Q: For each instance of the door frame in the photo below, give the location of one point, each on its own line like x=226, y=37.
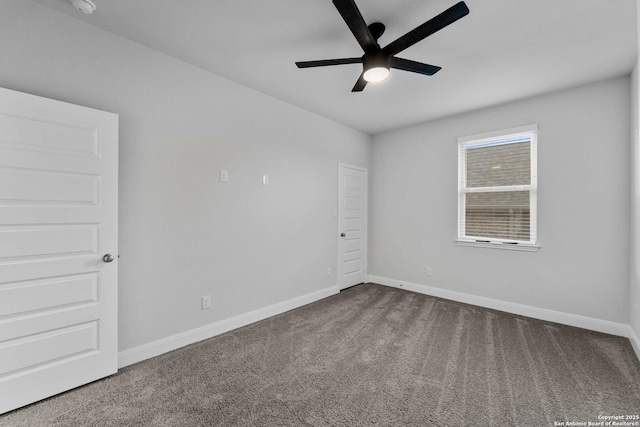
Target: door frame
x=365, y=231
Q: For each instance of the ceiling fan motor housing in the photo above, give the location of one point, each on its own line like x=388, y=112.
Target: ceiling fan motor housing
x=377, y=59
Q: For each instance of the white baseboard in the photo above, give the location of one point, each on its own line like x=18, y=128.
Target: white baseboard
x=584, y=322
x=635, y=342
x=156, y=348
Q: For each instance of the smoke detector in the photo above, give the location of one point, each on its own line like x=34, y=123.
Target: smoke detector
x=85, y=6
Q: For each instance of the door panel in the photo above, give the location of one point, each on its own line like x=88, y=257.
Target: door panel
x=34, y=295
x=58, y=217
x=47, y=240
x=34, y=133
x=48, y=187
x=35, y=350
x=352, y=222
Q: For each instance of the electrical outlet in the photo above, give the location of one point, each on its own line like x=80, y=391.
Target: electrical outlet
x=206, y=302
x=224, y=175
x=429, y=271
x=329, y=271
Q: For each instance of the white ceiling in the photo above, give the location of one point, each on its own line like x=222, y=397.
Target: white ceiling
x=503, y=50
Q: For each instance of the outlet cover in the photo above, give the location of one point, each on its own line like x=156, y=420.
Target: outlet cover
x=206, y=302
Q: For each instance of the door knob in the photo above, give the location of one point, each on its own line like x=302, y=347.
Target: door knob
x=107, y=258
x=343, y=234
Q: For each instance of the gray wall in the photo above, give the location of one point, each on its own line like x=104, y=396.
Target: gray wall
x=183, y=234
x=583, y=205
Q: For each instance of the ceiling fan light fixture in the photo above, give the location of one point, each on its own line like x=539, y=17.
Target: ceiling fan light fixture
x=376, y=67
x=376, y=74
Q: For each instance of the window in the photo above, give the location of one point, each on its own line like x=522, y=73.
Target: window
x=497, y=188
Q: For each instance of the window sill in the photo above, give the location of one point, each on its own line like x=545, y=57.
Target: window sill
x=498, y=245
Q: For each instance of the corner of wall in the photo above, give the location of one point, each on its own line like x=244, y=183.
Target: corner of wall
x=634, y=226
x=635, y=341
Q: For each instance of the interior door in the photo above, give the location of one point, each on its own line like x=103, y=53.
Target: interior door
x=352, y=225
x=58, y=219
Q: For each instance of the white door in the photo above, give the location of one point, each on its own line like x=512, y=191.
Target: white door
x=352, y=225
x=58, y=219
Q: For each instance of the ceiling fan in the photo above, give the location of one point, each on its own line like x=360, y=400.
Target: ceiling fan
x=376, y=60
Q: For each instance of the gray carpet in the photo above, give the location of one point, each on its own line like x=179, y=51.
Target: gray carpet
x=371, y=355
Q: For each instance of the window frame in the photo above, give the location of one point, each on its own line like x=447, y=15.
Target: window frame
x=530, y=131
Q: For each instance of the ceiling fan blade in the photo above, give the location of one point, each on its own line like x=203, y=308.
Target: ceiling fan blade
x=414, y=67
x=360, y=84
x=447, y=17
x=352, y=16
x=326, y=62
